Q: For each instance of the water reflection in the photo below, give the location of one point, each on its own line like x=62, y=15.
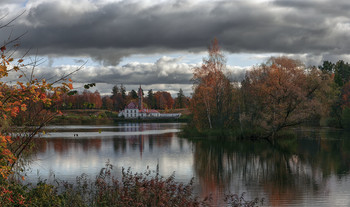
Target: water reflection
x=147, y=145
x=312, y=170
x=299, y=170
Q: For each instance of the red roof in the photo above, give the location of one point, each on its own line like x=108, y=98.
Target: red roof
x=131, y=105
x=149, y=111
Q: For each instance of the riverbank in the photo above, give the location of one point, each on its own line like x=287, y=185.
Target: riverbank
x=99, y=117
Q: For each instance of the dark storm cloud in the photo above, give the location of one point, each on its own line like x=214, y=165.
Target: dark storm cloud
x=110, y=31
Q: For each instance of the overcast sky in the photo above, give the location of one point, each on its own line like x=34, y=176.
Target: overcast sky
x=156, y=43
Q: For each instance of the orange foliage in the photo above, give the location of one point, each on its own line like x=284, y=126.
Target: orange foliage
x=163, y=100
x=282, y=93
x=212, y=98
x=346, y=95
x=15, y=101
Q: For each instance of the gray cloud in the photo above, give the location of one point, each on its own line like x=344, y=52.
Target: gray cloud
x=166, y=73
x=107, y=32
x=165, y=70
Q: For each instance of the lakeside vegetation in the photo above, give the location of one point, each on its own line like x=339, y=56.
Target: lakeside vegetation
x=133, y=189
x=276, y=95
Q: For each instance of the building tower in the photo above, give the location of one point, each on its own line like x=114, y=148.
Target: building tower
x=140, y=98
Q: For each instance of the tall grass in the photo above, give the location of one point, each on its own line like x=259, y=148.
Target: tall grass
x=133, y=189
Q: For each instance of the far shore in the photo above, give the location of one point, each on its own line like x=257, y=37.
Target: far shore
x=100, y=116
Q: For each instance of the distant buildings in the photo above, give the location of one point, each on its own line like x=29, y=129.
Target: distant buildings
x=133, y=111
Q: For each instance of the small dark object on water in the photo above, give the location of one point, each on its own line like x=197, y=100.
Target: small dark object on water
x=75, y=135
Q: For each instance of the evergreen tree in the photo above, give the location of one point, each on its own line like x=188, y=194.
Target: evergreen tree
x=150, y=99
x=123, y=91
x=115, y=91
x=180, y=101
x=133, y=94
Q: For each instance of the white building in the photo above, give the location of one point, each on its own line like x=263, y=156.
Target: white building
x=133, y=111
x=130, y=111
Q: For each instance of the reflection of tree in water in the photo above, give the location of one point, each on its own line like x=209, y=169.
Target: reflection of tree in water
x=164, y=140
x=151, y=139
x=331, y=152
x=119, y=145
x=89, y=144
x=139, y=142
x=40, y=145
x=284, y=172
x=209, y=168
x=181, y=144
x=62, y=146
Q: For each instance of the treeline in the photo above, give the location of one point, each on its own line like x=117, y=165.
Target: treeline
x=120, y=98
x=340, y=107
x=277, y=94
x=84, y=100
x=158, y=100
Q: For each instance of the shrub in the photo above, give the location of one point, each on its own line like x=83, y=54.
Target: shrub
x=139, y=189
x=346, y=118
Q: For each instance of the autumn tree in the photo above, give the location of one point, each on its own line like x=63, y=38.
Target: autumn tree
x=212, y=103
x=163, y=100
x=107, y=103
x=119, y=97
x=30, y=105
x=282, y=93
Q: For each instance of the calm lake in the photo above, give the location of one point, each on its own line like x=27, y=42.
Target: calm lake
x=313, y=170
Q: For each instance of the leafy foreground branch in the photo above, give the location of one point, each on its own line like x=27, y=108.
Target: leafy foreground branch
x=140, y=189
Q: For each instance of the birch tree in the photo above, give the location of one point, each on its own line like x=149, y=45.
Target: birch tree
x=211, y=100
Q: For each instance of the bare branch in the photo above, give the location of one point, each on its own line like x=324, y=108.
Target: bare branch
x=69, y=74
x=11, y=21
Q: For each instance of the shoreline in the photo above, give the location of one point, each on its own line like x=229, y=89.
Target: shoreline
x=107, y=117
